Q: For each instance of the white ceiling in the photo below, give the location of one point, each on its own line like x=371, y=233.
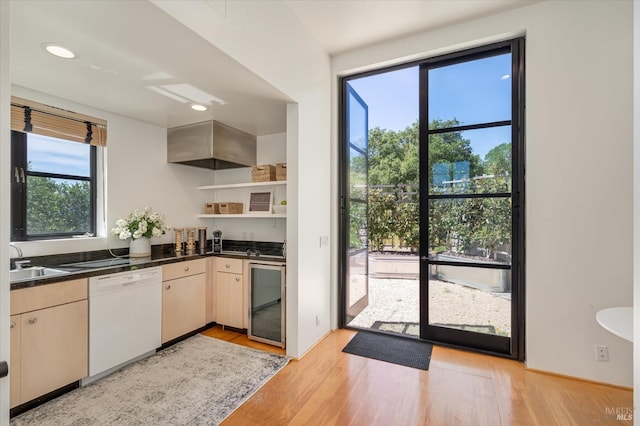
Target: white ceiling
x=128, y=50
x=343, y=25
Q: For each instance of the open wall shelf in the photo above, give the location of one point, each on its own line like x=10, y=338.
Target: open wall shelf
x=244, y=185
x=240, y=186
x=243, y=216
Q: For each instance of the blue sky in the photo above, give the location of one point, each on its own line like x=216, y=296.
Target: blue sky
x=472, y=92
x=55, y=156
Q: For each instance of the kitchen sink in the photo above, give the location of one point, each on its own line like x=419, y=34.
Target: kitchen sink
x=34, y=272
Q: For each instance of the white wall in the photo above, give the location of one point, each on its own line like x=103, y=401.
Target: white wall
x=270, y=149
x=636, y=206
x=137, y=175
x=268, y=39
x=579, y=169
x=5, y=166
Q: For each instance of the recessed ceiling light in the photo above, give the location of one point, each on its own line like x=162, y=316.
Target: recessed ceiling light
x=59, y=51
x=198, y=107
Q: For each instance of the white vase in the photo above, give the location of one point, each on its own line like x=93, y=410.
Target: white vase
x=140, y=247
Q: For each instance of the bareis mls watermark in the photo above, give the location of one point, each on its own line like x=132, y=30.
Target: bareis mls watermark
x=619, y=413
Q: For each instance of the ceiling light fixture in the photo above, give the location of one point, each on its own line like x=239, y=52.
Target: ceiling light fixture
x=168, y=94
x=59, y=51
x=193, y=93
x=198, y=107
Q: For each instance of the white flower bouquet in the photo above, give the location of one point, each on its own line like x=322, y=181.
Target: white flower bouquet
x=141, y=223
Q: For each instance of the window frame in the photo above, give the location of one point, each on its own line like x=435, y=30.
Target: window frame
x=20, y=172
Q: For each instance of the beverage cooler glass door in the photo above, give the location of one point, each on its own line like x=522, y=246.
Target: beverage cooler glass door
x=267, y=303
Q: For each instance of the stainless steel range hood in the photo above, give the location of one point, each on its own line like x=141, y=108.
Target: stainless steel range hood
x=211, y=145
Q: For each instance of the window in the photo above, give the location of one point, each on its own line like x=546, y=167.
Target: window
x=54, y=178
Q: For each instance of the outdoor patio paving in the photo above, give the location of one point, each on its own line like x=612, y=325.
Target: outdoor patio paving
x=393, y=306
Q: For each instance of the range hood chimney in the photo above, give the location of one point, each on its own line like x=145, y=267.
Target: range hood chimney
x=211, y=145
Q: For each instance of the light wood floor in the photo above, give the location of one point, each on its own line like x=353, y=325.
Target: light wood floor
x=329, y=387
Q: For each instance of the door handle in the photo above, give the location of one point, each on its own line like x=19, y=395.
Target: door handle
x=16, y=174
x=4, y=369
x=22, y=175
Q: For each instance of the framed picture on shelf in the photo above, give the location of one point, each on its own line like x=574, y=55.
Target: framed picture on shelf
x=260, y=202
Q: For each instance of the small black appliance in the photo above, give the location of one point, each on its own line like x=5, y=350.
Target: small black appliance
x=217, y=241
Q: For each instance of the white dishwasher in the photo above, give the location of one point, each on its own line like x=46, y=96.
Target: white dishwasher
x=125, y=319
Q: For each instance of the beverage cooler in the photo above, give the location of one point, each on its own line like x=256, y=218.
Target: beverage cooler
x=267, y=302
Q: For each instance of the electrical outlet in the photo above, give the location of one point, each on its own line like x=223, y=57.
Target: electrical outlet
x=602, y=353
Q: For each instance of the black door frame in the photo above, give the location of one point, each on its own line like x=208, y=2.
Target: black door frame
x=512, y=346
x=516, y=347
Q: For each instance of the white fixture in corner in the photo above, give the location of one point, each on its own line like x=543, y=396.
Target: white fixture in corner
x=198, y=107
x=59, y=51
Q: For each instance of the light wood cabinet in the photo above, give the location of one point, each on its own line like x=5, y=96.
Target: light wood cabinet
x=230, y=293
x=14, y=362
x=50, y=338
x=183, y=298
x=210, y=312
x=53, y=349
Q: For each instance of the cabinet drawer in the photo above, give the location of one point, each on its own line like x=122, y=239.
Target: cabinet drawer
x=233, y=266
x=183, y=269
x=44, y=296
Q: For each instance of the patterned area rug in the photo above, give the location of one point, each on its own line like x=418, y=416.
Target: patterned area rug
x=199, y=381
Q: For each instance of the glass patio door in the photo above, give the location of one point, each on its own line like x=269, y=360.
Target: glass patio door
x=354, y=209
x=470, y=181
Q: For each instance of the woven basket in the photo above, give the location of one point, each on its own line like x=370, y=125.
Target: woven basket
x=231, y=208
x=263, y=173
x=212, y=208
x=281, y=171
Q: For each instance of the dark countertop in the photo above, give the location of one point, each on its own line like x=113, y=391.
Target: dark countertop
x=97, y=263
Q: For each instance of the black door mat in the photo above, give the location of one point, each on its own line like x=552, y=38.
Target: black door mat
x=397, y=350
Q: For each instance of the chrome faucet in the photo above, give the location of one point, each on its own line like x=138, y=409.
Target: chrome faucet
x=17, y=249
x=20, y=264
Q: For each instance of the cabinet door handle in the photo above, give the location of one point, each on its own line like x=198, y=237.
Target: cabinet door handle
x=237, y=278
x=13, y=324
x=168, y=286
x=186, y=269
x=33, y=320
x=227, y=266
